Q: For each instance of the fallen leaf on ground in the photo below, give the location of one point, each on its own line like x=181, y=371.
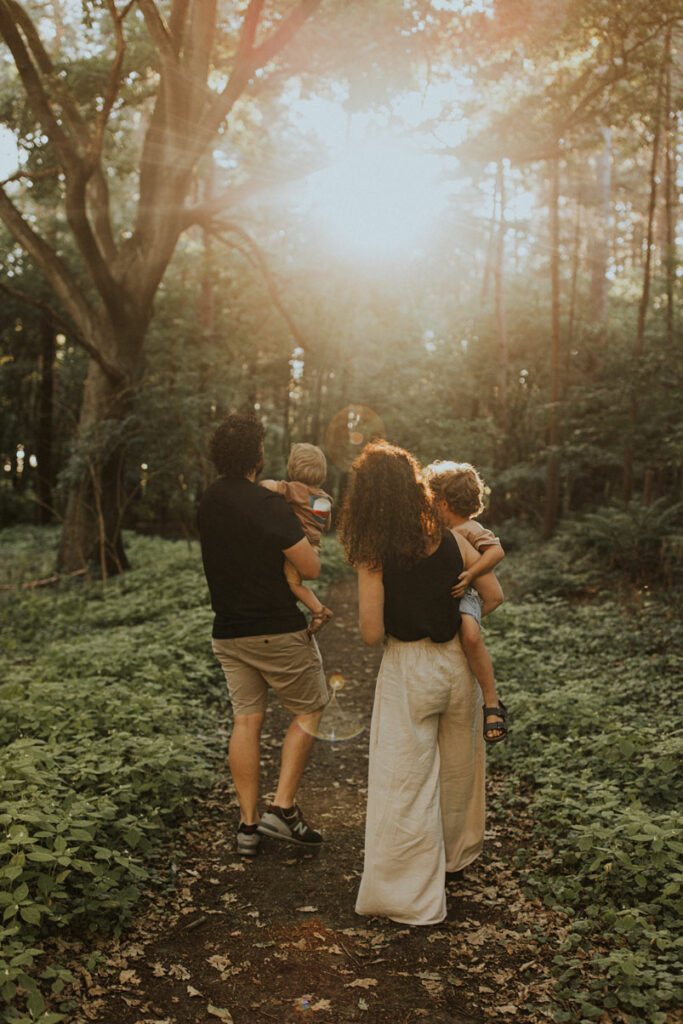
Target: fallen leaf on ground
x=361, y=983
x=219, y=962
x=179, y=972
x=221, y=1013
x=129, y=978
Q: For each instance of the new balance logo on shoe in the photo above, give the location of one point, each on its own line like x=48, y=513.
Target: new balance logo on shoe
x=288, y=824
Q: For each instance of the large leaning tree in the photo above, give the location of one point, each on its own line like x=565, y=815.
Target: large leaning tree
x=195, y=58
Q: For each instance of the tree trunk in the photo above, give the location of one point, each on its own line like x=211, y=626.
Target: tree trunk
x=670, y=196
x=598, y=250
x=44, y=453
x=627, y=485
x=91, y=533
x=553, y=476
x=502, y=347
x=491, y=245
x=574, y=287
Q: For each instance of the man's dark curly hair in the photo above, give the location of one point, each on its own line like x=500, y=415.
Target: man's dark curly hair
x=388, y=511
x=235, y=447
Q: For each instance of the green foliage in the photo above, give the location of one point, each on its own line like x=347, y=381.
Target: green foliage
x=110, y=698
x=596, y=753
x=644, y=542
x=599, y=551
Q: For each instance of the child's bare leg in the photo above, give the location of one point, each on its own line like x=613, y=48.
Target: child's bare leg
x=321, y=614
x=480, y=662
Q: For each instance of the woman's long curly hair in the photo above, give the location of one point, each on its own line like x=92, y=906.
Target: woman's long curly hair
x=388, y=511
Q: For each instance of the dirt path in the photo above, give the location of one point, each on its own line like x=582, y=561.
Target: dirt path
x=276, y=938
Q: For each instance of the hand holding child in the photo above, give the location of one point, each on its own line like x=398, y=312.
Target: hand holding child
x=464, y=581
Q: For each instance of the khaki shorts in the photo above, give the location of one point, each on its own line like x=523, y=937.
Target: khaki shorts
x=290, y=663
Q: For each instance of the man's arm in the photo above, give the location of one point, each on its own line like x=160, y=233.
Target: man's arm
x=304, y=558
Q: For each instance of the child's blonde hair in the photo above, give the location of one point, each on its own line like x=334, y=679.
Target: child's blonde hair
x=307, y=464
x=460, y=486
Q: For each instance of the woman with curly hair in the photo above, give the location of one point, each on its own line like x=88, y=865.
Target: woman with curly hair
x=425, y=813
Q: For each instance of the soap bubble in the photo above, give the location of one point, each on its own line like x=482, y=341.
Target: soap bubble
x=349, y=430
x=336, y=725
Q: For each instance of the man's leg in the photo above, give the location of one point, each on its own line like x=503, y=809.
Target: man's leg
x=296, y=750
x=245, y=756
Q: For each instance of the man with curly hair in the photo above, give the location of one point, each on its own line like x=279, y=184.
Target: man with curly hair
x=259, y=634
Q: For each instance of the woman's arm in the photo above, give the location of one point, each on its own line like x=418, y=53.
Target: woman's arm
x=371, y=605
x=488, y=586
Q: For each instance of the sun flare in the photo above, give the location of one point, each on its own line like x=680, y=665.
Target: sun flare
x=380, y=200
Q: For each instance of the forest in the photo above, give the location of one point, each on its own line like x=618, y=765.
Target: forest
x=454, y=224
x=451, y=224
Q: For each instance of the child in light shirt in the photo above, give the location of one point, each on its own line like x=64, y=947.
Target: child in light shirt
x=307, y=469
x=459, y=490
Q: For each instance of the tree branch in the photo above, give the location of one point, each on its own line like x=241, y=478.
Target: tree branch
x=55, y=270
x=57, y=321
x=10, y=13
x=113, y=84
x=206, y=213
x=47, y=69
x=159, y=31
x=284, y=33
x=255, y=254
x=76, y=171
x=49, y=172
x=177, y=23
x=248, y=60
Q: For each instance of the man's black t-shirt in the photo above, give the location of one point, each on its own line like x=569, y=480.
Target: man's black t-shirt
x=244, y=529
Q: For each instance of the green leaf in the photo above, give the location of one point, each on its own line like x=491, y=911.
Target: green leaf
x=36, y=1004
x=30, y=914
x=8, y=990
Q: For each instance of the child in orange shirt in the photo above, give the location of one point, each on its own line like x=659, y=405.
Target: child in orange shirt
x=458, y=490
x=307, y=469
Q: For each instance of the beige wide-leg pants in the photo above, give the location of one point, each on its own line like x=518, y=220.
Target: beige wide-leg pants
x=426, y=781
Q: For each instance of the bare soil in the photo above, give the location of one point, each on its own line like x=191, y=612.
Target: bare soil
x=275, y=938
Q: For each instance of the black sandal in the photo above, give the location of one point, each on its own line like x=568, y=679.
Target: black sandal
x=501, y=727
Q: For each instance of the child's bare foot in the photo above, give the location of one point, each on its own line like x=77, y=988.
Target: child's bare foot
x=319, y=620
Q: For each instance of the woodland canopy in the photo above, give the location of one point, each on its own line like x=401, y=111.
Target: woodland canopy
x=453, y=223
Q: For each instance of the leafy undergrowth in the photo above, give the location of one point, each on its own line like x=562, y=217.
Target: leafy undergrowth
x=105, y=735
x=594, y=689
x=110, y=697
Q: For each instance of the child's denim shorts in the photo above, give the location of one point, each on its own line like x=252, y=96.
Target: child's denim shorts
x=471, y=604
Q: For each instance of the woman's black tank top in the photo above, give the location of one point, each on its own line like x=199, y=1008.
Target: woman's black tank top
x=417, y=600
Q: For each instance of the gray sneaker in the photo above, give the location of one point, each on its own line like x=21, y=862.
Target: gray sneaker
x=248, y=840
x=288, y=825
